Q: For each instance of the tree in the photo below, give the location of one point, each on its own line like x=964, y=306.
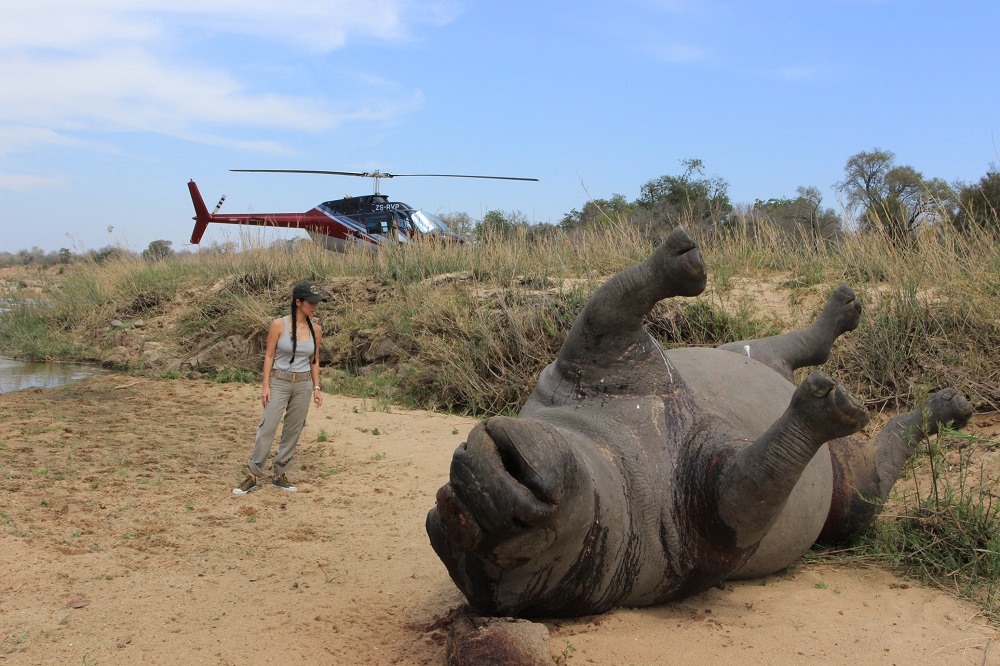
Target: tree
x=892, y=199
x=692, y=198
x=598, y=211
x=500, y=224
x=803, y=217
x=979, y=204
x=460, y=223
x=158, y=249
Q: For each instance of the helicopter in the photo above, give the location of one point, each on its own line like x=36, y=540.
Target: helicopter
x=369, y=221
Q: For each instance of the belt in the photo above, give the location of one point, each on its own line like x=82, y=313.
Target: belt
x=291, y=376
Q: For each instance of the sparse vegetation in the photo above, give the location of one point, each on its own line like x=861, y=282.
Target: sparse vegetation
x=942, y=525
x=468, y=328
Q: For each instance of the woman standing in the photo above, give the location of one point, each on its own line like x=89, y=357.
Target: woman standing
x=291, y=379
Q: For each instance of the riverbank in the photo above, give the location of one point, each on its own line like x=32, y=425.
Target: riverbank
x=122, y=544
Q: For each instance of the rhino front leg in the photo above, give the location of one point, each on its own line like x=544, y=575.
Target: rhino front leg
x=611, y=322
x=756, y=482
x=807, y=346
x=864, y=474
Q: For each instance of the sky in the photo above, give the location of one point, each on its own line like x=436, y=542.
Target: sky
x=109, y=107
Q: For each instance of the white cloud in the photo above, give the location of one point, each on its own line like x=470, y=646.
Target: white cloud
x=16, y=138
x=24, y=182
x=313, y=25
x=111, y=66
x=318, y=25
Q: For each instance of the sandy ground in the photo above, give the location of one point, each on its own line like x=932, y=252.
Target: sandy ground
x=120, y=543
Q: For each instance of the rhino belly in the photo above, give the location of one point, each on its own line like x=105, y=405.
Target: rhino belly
x=747, y=396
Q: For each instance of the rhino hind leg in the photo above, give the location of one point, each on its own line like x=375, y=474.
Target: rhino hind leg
x=756, y=482
x=808, y=346
x=864, y=474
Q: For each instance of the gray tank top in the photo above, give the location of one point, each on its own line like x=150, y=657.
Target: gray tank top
x=303, y=350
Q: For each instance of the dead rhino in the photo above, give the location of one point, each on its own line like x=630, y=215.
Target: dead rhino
x=633, y=475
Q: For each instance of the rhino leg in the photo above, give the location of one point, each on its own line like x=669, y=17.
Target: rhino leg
x=755, y=483
x=807, y=346
x=864, y=474
x=612, y=321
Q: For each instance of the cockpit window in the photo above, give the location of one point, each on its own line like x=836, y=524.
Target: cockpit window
x=429, y=223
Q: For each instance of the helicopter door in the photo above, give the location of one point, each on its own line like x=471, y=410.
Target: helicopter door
x=404, y=227
x=378, y=223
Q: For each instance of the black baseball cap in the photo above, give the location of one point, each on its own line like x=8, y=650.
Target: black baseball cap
x=307, y=291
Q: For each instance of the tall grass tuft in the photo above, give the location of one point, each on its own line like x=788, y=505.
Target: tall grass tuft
x=943, y=526
x=471, y=323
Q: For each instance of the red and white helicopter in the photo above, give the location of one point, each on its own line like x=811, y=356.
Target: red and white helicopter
x=369, y=221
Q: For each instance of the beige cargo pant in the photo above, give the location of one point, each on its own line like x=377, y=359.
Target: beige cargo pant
x=290, y=399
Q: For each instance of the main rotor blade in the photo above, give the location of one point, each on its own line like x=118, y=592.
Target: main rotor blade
x=456, y=175
x=364, y=174
x=380, y=174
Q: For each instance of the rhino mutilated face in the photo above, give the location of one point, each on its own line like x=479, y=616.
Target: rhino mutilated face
x=521, y=504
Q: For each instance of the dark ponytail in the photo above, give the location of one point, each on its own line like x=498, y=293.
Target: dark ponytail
x=295, y=328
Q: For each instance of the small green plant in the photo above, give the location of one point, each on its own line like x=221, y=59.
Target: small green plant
x=322, y=436
x=821, y=585
x=171, y=374
x=76, y=534
x=376, y=432
x=189, y=506
x=377, y=457
x=252, y=518
x=329, y=472
x=20, y=638
x=236, y=375
x=567, y=652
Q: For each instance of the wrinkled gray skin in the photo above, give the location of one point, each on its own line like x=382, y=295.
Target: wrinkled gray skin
x=633, y=476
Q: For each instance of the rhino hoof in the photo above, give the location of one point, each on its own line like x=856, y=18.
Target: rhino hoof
x=842, y=310
x=829, y=407
x=947, y=406
x=678, y=261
